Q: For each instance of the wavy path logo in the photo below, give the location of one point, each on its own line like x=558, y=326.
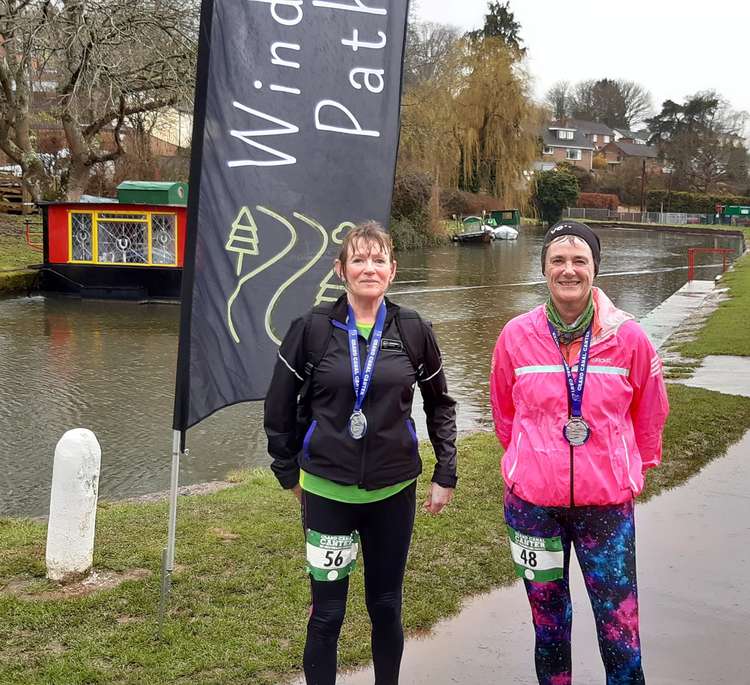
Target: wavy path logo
x=244, y=242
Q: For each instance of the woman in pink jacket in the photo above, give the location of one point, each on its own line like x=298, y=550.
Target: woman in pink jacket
x=579, y=404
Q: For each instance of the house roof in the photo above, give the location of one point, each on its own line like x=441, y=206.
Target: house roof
x=643, y=134
x=636, y=149
x=578, y=140
x=584, y=126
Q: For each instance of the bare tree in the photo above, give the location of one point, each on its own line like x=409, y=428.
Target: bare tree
x=87, y=65
x=638, y=102
x=559, y=100
x=617, y=103
x=428, y=51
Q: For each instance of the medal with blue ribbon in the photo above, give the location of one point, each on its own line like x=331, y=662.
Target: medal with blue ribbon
x=361, y=377
x=576, y=431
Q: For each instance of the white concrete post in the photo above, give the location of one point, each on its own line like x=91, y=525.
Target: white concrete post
x=72, y=507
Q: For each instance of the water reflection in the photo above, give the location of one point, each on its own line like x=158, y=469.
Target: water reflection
x=110, y=366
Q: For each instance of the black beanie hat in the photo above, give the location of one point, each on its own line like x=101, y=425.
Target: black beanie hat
x=579, y=230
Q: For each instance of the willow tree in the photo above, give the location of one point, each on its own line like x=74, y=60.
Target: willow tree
x=430, y=141
x=498, y=122
x=473, y=124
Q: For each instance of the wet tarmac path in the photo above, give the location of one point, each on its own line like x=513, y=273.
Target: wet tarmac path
x=693, y=556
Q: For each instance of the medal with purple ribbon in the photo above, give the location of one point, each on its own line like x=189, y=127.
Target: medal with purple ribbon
x=357, y=424
x=576, y=431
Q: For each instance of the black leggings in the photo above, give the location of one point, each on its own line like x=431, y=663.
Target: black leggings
x=385, y=529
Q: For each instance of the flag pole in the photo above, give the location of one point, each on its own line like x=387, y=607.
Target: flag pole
x=167, y=560
x=181, y=418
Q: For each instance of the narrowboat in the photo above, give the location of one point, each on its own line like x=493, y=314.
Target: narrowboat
x=131, y=247
x=472, y=230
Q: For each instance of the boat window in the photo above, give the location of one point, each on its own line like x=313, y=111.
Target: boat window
x=81, y=236
x=123, y=240
x=163, y=239
x=144, y=238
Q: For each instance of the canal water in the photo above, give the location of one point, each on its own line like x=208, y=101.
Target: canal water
x=109, y=366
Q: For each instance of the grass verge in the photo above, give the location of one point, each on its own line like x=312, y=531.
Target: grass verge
x=15, y=282
x=727, y=331
x=14, y=251
x=239, y=600
x=15, y=255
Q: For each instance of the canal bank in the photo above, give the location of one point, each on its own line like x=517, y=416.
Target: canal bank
x=15, y=256
x=239, y=602
x=109, y=366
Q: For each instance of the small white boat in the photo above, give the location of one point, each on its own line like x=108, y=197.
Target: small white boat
x=502, y=232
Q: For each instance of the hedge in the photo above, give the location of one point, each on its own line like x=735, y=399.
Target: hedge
x=690, y=203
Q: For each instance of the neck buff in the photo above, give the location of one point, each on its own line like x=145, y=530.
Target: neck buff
x=568, y=333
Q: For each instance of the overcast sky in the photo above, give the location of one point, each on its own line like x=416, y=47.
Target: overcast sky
x=673, y=48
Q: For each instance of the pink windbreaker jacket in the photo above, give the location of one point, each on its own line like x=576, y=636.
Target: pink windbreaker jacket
x=624, y=402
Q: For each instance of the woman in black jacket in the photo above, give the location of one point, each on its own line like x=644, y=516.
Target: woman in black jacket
x=340, y=432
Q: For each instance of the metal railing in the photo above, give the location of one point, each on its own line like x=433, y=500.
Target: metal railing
x=692, y=251
x=678, y=218
x=33, y=235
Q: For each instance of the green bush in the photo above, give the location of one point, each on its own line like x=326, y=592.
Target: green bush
x=412, y=233
x=554, y=191
x=414, y=222
x=411, y=195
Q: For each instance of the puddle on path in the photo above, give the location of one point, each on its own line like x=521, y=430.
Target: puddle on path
x=695, y=600
x=722, y=373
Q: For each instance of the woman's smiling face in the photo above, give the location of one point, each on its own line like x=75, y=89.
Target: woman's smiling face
x=569, y=270
x=369, y=270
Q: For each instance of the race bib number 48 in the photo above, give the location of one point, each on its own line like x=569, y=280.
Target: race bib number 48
x=537, y=559
x=331, y=557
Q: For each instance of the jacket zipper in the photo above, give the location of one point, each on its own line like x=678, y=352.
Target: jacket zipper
x=367, y=432
x=572, y=498
x=572, y=501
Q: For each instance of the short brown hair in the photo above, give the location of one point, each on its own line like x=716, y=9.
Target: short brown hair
x=369, y=232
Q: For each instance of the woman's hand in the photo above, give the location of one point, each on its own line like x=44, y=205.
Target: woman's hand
x=297, y=490
x=437, y=498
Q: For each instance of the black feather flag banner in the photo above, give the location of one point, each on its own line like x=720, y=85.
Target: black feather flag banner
x=295, y=139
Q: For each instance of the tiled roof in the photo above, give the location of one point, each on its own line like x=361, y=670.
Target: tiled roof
x=636, y=150
x=578, y=140
x=635, y=135
x=584, y=126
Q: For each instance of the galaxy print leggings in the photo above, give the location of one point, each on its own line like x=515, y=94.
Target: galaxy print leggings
x=604, y=541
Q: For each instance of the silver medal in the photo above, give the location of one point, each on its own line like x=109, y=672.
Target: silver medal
x=576, y=431
x=357, y=425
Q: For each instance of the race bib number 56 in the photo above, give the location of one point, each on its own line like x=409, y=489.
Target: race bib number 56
x=331, y=557
x=537, y=559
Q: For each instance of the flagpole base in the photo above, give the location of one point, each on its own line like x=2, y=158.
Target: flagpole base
x=167, y=557
x=166, y=587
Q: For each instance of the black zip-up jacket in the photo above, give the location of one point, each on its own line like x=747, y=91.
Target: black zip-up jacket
x=311, y=430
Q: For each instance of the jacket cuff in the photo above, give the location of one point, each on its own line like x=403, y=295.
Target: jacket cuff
x=288, y=479
x=444, y=480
